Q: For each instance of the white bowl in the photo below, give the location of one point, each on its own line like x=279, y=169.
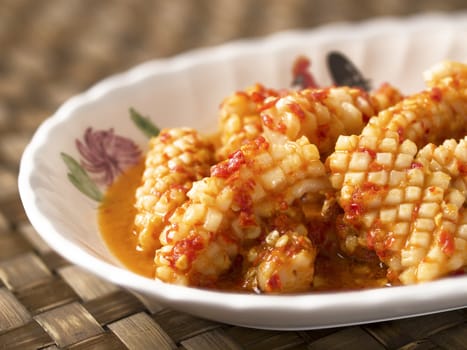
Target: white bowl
x=186, y=90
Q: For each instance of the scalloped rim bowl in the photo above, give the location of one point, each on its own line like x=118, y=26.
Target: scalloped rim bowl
x=186, y=90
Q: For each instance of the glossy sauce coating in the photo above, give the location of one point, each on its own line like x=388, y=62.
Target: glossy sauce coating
x=333, y=271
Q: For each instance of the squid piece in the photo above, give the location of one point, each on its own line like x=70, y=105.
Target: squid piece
x=225, y=210
x=447, y=251
x=283, y=263
x=322, y=113
x=175, y=159
x=239, y=119
x=431, y=116
x=319, y=114
x=407, y=205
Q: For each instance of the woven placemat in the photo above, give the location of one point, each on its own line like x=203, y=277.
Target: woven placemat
x=53, y=49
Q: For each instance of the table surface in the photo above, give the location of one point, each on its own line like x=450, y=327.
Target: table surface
x=52, y=49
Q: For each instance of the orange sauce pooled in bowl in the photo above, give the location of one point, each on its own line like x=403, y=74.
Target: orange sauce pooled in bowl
x=115, y=218
x=333, y=271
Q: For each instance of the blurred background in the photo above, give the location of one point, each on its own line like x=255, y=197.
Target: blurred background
x=52, y=49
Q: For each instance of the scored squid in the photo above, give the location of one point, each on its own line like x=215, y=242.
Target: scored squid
x=409, y=205
x=239, y=119
x=319, y=114
x=225, y=210
x=176, y=158
x=323, y=114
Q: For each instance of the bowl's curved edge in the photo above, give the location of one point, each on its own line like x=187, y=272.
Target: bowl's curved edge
x=236, y=304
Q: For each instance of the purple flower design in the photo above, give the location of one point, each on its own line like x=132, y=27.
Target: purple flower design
x=105, y=154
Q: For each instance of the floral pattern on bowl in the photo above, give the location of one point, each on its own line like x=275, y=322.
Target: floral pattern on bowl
x=104, y=156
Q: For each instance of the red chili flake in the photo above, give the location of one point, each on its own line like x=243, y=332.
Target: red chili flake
x=257, y=97
x=188, y=246
x=268, y=104
x=436, y=94
x=301, y=74
x=368, y=151
x=283, y=206
x=462, y=167
x=371, y=188
x=355, y=210
x=400, y=132
x=261, y=143
x=416, y=165
x=227, y=167
x=365, y=94
x=297, y=110
x=249, y=184
x=446, y=241
x=243, y=200
x=245, y=203
x=267, y=120
x=281, y=127
x=374, y=166
x=262, y=94
x=318, y=95
x=274, y=282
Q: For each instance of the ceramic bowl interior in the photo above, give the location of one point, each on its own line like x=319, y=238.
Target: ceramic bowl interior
x=186, y=91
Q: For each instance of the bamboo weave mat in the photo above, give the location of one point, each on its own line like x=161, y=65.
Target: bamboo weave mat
x=50, y=50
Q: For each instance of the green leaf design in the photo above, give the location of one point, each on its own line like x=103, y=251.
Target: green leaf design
x=144, y=124
x=80, y=178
